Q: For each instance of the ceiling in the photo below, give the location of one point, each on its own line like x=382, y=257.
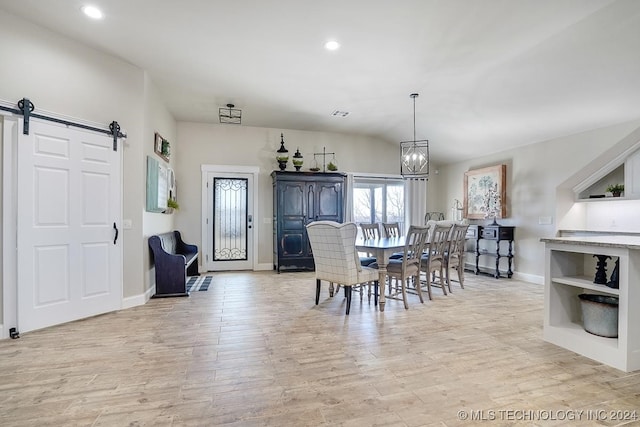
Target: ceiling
x=491, y=74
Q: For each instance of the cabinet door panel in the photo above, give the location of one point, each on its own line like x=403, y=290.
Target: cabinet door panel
x=329, y=201
x=292, y=199
x=293, y=223
x=291, y=244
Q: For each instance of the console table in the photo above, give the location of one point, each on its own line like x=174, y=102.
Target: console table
x=495, y=233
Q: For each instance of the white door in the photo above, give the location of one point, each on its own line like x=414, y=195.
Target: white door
x=229, y=221
x=69, y=263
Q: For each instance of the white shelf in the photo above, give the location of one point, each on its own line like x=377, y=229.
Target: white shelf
x=585, y=283
x=576, y=331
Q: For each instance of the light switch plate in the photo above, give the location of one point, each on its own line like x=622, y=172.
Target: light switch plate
x=545, y=220
x=127, y=224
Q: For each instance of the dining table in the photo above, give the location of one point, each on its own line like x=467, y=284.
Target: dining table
x=382, y=248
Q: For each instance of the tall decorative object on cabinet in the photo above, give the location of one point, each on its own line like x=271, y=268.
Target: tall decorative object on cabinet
x=298, y=199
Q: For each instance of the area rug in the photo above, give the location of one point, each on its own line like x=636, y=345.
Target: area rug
x=198, y=283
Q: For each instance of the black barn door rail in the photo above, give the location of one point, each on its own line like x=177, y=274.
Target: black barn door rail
x=26, y=108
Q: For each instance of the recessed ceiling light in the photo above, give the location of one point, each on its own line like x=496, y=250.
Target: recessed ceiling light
x=332, y=45
x=92, y=12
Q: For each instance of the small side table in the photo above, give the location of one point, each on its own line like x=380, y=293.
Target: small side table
x=496, y=233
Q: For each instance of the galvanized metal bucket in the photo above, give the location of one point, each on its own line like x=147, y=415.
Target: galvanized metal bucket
x=600, y=314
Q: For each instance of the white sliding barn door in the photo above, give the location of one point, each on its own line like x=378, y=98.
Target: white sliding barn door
x=69, y=265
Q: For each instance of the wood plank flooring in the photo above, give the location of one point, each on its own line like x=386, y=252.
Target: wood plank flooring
x=254, y=350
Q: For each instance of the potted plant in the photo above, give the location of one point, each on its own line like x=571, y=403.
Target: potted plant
x=615, y=189
x=172, y=205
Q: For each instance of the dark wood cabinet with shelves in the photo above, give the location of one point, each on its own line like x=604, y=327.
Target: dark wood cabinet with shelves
x=298, y=199
x=492, y=233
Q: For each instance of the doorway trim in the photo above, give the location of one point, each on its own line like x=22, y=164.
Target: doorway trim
x=254, y=171
x=9, y=225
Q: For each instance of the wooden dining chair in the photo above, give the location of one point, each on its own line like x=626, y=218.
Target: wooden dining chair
x=391, y=229
x=433, y=258
x=370, y=231
x=408, y=267
x=454, y=258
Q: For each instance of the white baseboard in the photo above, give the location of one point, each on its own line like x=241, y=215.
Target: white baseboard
x=264, y=267
x=531, y=278
x=3, y=334
x=137, y=300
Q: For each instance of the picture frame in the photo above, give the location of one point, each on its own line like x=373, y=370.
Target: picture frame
x=161, y=147
x=485, y=192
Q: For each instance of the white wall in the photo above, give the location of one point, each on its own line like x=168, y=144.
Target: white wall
x=252, y=146
x=65, y=77
x=156, y=119
x=533, y=174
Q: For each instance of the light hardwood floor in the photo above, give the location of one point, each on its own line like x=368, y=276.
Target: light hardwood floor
x=254, y=350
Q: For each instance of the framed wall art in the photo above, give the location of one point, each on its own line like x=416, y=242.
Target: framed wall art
x=485, y=192
x=161, y=147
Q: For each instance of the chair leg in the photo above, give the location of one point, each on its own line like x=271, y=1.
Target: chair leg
x=460, y=269
x=416, y=281
x=428, y=279
x=375, y=293
x=443, y=282
x=331, y=289
x=448, y=274
x=347, y=290
x=404, y=293
x=317, y=291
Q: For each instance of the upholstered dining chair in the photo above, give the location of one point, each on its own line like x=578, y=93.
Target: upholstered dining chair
x=409, y=265
x=454, y=258
x=433, y=216
x=336, y=260
x=433, y=258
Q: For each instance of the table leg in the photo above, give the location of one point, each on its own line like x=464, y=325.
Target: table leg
x=382, y=256
x=382, y=284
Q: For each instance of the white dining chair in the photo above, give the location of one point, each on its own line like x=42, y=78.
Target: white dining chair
x=336, y=259
x=454, y=258
x=407, y=268
x=433, y=258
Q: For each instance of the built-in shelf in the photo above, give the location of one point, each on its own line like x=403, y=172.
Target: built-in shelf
x=625, y=169
x=584, y=282
x=570, y=272
x=575, y=331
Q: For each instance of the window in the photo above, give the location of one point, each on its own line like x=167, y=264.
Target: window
x=378, y=200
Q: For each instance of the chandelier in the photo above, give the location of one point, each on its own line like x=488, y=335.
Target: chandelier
x=230, y=115
x=414, y=155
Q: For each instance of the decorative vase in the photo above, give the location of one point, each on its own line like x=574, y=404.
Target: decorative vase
x=601, y=270
x=297, y=160
x=614, y=280
x=282, y=155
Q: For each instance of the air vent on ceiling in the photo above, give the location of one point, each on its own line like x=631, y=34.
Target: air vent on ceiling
x=339, y=113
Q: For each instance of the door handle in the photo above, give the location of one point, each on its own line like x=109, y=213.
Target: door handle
x=115, y=239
